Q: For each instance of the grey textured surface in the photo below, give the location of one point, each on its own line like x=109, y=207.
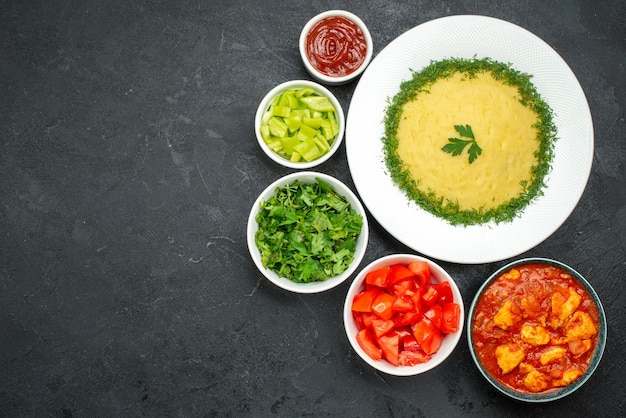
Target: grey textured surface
x=127, y=172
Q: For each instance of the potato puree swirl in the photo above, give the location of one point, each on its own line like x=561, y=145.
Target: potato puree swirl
x=502, y=126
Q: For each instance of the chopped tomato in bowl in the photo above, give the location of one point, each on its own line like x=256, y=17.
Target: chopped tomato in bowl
x=403, y=314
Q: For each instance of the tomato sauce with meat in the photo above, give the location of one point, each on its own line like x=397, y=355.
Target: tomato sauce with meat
x=336, y=46
x=535, y=328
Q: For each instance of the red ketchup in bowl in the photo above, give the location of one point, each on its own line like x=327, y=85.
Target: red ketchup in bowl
x=336, y=46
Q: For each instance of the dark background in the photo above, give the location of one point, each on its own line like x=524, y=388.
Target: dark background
x=128, y=168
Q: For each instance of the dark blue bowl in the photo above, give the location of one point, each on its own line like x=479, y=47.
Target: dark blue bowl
x=595, y=359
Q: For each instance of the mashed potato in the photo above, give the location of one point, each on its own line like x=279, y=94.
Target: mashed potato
x=502, y=126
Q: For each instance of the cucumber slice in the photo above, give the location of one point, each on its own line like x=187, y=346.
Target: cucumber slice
x=277, y=127
x=295, y=157
x=265, y=132
x=266, y=116
x=303, y=92
x=326, y=128
x=281, y=111
x=306, y=132
x=314, y=123
x=288, y=99
x=308, y=149
x=302, y=113
x=288, y=143
x=333, y=120
x=294, y=122
x=275, y=144
x=321, y=143
x=318, y=103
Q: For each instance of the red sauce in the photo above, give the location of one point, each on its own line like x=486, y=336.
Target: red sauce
x=336, y=46
x=540, y=324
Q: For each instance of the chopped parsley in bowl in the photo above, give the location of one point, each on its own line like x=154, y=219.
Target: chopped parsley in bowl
x=307, y=232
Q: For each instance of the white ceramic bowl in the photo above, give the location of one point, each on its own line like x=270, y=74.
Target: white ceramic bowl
x=294, y=85
x=337, y=80
x=449, y=342
x=314, y=287
x=554, y=394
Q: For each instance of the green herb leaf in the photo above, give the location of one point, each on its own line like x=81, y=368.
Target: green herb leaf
x=464, y=131
x=456, y=145
x=474, y=151
x=307, y=232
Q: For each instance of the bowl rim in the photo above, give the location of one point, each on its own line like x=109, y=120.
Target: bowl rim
x=290, y=85
x=451, y=340
x=313, y=287
x=595, y=359
x=323, y=78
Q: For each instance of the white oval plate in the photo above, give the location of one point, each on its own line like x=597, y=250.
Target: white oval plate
x=469, y=37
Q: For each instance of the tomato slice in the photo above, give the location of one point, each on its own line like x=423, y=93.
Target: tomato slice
x=368, y=317
x=382, y=305
x=409, y=343
x=435, y=314
x=450, y=317
x=445, y=292
x=421, y=270
x=427, y=335
x=377, y=277
x=432, y=344
x=400, y=287
x=363, y=301
x=399, y=272
x=407, y=318
x=429, y=297
x=382, y=326
x=367, y=343
x=416, y=298
x=403, y=332
x=402, y=304
x=390, y=346
x=411, y=358
x=358, y=318
x=423, y=330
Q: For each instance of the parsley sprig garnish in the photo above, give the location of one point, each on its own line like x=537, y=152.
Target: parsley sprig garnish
x=457, y=145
